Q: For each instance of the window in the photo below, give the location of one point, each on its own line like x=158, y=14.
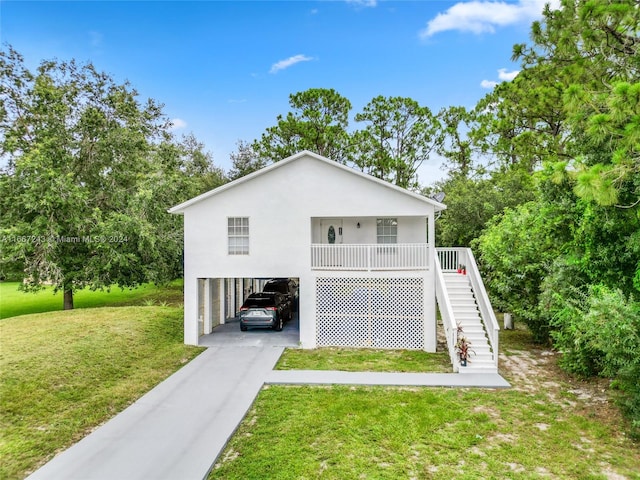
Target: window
x=238, y=229
x=387, y=230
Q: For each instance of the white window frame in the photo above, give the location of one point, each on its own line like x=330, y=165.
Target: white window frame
x=387, y=231
x=238, y=235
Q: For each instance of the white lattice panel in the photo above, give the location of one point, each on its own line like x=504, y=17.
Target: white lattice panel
x=370, y=312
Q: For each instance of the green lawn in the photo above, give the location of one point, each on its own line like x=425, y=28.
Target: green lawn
x=546, y=426
x=63, y=373
x=363, y=359
x=15, y=302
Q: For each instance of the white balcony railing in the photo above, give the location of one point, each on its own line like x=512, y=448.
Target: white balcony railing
x=405, y=256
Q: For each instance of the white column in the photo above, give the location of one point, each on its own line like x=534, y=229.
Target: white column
x=232, y=297
x=208, y=311
x=223, y=306
x=430, y=335
x=190, y=310
x=307, y=311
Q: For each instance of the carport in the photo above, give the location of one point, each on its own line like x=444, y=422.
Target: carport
x=218, y=301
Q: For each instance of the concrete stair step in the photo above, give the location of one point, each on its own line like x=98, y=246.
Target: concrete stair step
x=470, y=328
x=458, y=294
x=462, y=300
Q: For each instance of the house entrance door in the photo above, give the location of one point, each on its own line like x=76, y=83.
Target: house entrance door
x=331, y=230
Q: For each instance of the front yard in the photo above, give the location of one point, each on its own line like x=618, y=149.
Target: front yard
x=546, y=426
x=64, y=373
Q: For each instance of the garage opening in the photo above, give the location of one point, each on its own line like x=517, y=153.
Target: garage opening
x=219, y=304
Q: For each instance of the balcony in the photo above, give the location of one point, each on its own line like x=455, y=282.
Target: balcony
x=365, y=257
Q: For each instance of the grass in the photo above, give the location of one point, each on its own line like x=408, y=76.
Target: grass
x=364, y=360
x=546, y=425
x=15, y=302
x=63, y=373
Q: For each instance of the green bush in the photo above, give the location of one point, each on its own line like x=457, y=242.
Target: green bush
x=599, y=334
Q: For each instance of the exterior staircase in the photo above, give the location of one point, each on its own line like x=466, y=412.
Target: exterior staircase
x=467, y=315
x=464, y=304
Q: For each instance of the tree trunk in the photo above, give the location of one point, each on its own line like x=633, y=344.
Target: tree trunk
x=68, y=299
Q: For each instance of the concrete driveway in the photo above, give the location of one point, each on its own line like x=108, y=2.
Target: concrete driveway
x=175, y=431
x=229, y=334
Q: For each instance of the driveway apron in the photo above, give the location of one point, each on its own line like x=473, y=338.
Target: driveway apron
x=177, y=429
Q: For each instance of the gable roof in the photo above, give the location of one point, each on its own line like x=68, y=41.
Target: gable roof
x=179, y=209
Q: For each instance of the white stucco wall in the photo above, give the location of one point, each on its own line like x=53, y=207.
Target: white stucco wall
x=280, y=205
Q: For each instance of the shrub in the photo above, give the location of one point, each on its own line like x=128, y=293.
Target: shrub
x=599, y=334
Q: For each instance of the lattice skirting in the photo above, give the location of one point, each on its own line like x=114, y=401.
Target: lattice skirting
x=370, y=312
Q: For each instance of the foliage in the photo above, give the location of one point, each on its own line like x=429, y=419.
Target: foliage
x=570, y=117
x=599, y=334
x=90, y=174
x=593, y=46
x=244, y=161
x=474, y=200
x=65, y=373
x=399, y=136
x=454, y=143
x=318, y=123
x=517, y=251
x=522, y=122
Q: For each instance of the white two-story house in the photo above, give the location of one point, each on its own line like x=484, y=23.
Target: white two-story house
x=362, y=250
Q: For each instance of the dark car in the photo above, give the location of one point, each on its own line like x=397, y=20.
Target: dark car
x=285, y=286
x=265, y=309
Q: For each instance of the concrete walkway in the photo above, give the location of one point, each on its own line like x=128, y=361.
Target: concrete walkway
x=326, y=377
x=178, y=429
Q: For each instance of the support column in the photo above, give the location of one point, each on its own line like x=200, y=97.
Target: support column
x=208, y=308
x=223, y=305
x=190, y=310
x=232, y=297
x=307, y=311
x=430, y=327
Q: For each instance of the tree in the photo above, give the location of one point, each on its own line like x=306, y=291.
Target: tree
x=569, y=261
x=522, y=122
x=595, y=47
x=318, y=123
x=473, y=201
x=454, y=144
x=399, y=137
x=244, y=160
x=84, y=192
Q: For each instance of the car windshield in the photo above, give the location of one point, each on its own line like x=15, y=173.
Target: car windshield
x=259, y=302
x=276, y=287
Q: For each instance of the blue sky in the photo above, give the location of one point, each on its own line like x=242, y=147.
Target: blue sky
x=224, y=70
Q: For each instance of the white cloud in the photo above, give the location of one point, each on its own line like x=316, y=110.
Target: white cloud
x=507, y=76
x=363, y=3
x=288, y=62
x=177, y=124
x=313, y=11
x=503, y=75
x=479, y=16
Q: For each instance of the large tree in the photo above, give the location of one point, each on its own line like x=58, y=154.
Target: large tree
x=398, y=137
x=318, y=122
x=86, y=181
